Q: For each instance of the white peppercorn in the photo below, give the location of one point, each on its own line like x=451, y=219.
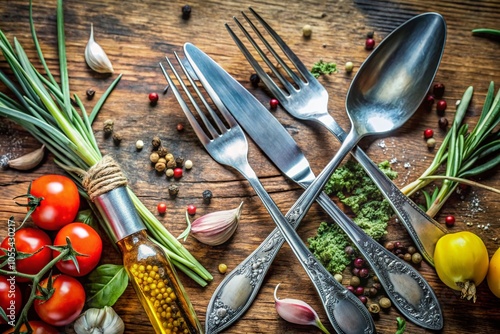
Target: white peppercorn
x=139, y=144
x=169, y=172
x=188, y=164
x=307, y=30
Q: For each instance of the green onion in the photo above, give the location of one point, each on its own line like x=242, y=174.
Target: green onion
x=44, y=108
x=464, y=154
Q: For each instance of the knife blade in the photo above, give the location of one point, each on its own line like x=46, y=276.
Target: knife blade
x=418, y=303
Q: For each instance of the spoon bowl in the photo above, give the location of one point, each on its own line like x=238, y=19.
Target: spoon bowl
x=392, y=82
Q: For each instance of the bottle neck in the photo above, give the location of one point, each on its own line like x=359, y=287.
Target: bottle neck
x=119, y=213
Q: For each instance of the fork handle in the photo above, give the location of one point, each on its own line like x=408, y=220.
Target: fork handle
x=424, y=231
x=236, y=293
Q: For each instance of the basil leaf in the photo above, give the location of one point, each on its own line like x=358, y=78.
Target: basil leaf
x=106, y=284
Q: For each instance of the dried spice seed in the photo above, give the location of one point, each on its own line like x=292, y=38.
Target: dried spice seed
x=385, y=302
x=180, y=127
x=171, y=163
x=188, y=164
x=207, y=196
x=222, y=268
x=173, y=189
x=179, y=161
x=108, y=127
x=307, y=30
x=162, y=151
x=169, y=172
x=139, y=145
x=443, y=123
x=254, y=80
x=153, y=98
x=441, y=107
x=162, y=208
x=274, y=103
x=154, y=157
x=191, y=209
x=160, y=166
x=117, y=138
x=438, y=90
x=349, y=66
x=177, y=173
x=90, y=93
x=431, y=143
x=369, y=43
x=186, y=12
x=156, y=142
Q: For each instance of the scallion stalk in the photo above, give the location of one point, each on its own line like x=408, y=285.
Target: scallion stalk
x=44, y=108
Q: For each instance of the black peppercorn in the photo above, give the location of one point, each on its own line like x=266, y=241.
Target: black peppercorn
x=370, y=34
x=207, y=196
x=443, y=123
x=186, y=12
x=90, y=93
x=173, y=190
x=255, y=80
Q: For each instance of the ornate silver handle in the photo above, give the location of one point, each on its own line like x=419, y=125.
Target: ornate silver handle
x=423, y=230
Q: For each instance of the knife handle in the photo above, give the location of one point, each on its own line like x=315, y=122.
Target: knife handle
x=423, y=230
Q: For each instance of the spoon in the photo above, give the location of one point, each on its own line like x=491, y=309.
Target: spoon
x=235, y=293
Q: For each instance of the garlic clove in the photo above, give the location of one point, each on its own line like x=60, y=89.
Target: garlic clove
x=215, y=228
x=297, y=312
x=95, y=56
x=28, y=161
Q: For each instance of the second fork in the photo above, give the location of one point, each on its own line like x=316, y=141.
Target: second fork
x=228, y=146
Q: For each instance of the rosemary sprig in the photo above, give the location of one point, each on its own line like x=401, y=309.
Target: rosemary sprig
x=43, y=107
x=464, y=154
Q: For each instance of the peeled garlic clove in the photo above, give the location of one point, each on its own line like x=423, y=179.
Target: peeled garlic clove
x=215, y=228
x=28, y=161
x=99, y=321
x=95, y=56
x=297, y=312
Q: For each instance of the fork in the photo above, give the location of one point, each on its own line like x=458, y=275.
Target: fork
x=308, y=100
x=228, y=146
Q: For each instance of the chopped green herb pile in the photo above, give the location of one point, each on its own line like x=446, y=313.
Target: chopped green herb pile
x=322, y=67
x=371, y=212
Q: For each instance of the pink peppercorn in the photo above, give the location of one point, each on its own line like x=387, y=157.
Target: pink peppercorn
x=153, y=98
x=191, y=209
x=369, y=43
x=177, y=173
x=428, y=133
x=274, y=103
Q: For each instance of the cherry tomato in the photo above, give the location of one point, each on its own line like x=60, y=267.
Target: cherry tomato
x=38, y=327
x=84, y=240
x=28, y=240
x=10, y=298
x=65, y=304
x=55, y=200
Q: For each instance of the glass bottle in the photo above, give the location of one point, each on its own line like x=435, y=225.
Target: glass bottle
x=150, y=271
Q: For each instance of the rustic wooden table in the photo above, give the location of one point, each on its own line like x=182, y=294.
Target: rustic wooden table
x=137, y=35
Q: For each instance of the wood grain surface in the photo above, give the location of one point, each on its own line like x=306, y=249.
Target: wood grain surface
x=138, y=34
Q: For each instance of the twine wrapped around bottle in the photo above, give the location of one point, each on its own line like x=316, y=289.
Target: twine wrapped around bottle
x=103, y=177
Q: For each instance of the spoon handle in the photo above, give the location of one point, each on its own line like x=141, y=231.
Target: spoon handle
x=423, y=230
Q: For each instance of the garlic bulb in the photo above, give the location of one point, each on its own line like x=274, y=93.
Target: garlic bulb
x=99, y=321
x=214, y=228
x=95, y=56
x=297, y=312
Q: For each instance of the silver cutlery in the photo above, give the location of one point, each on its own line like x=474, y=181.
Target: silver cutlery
x=228, y=146
x=398, y=66
x=408, y=290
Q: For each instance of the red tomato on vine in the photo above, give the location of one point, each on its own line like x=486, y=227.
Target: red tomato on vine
x=64, y=304
x=10, y=298
x=84, y=240
x=53, y=201
x=27, y=240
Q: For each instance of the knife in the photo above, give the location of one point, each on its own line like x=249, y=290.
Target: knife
x=408, y=290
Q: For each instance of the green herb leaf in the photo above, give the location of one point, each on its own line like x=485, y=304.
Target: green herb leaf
x=106, y=284
x=321, y=68
x=401, y=325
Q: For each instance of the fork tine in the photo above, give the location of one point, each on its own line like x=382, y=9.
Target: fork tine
x=284, y=47
x=277, y=92
x=287, y=69
x=211, y=111
x=187, y=111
